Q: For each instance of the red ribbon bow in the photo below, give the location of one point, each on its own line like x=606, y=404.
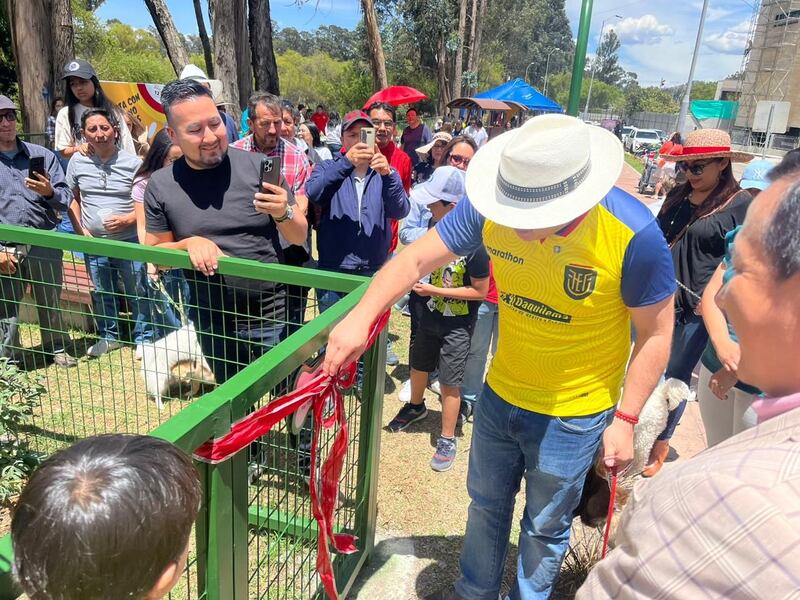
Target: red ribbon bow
x=319, y=390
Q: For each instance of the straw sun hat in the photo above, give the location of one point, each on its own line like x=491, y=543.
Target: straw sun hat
x=441, y=136
x=548, y=172
x=706, y=143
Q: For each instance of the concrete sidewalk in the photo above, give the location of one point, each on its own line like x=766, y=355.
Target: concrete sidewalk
x=690, y=436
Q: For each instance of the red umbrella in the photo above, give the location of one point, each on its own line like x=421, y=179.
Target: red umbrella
x=396, y=95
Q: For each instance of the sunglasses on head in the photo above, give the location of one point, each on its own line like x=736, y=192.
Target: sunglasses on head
x=695, y=168
x=457, y=159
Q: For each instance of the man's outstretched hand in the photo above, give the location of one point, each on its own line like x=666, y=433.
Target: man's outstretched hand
x=346, y=343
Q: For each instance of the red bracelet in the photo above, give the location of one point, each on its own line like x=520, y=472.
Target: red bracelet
x=626, y=417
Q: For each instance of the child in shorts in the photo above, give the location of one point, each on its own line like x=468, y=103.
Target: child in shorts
x=109, y=517
x=443, y=336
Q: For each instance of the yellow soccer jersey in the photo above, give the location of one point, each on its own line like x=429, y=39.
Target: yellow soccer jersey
x=565, y=335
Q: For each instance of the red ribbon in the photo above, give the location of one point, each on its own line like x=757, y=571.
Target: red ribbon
x=318, y=391
x=611, y=502
x=678, y=150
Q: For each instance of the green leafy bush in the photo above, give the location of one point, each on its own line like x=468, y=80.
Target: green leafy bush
x=19, y=394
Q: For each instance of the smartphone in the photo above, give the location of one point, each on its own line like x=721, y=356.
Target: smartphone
x=36, y=166
x=368, y=136
x=270, y=172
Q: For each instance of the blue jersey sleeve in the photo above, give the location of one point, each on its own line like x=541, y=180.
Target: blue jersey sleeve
x=648, y=275
x=462, y=229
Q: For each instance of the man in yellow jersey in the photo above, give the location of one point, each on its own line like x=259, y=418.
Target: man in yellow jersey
x=576, y=262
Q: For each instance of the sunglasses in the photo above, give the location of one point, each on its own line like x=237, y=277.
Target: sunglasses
x=457, y=159
x=695, y=169
x=9, y=116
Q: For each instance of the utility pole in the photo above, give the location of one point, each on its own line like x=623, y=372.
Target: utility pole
x=681, y=125
x=579, y=63
x=594, y=67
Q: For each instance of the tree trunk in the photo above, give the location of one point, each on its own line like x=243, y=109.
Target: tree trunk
x=459, y=62
x=471, y=45
x=201, y=29
x=376, y=59
x=169, y=35
x=231, y=53
x=62, y=43
x=265, y=69
x=441, y=72
x=29, y=21
x=476, y=46
x=244, y=65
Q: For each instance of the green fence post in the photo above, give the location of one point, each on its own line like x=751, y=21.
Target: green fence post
x=239, y=516
x=579, y=63
x=8, y=589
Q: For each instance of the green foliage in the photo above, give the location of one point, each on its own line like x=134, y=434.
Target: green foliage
x=520, y=32
x=19, y=394
x=118, y=51
x=320, y=79
x=8, y=70
x=650, y=99
x=704, y=90
x=606, y=62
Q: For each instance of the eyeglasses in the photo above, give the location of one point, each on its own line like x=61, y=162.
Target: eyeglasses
x=695, y=169
x=379, y=124
x=10, y=116
x=457, y=159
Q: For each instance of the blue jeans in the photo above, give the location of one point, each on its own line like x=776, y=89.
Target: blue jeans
x=554, y=454
x=689, y=339
x=163, y=317
x=105, y=271
x=483, y=335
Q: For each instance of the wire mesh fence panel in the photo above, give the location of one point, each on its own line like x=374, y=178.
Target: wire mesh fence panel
x=120, y=345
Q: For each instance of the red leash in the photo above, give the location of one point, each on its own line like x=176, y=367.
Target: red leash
x=611, y=502
x=317, y=391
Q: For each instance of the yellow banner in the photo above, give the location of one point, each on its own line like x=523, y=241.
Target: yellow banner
x=141, y=100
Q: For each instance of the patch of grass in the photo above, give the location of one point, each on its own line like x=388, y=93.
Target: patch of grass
x=634, y=162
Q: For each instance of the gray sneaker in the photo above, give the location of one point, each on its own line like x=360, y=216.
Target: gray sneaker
x=102, y=347
x=64, y=360
x=445, y=455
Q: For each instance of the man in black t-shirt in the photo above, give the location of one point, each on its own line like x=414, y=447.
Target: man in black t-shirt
x=208, y=203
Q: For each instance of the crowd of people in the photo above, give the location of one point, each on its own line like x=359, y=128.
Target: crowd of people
x=521, y=248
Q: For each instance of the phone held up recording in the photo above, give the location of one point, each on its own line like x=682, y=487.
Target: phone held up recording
x=36, y=165
x=270, y=173
x=368, y=136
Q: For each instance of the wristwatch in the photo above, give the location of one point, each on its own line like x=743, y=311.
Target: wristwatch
x=288, y=216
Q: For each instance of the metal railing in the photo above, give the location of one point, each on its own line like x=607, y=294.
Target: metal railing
x=255, y=536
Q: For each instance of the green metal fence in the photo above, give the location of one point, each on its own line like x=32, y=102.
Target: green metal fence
x=255, y=536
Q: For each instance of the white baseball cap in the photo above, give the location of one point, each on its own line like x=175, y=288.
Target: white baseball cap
x=446, y=184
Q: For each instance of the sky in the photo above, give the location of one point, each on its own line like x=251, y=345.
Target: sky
x=657, y=36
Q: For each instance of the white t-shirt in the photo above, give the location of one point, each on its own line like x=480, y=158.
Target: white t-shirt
x=64, y=137
x=479, y=135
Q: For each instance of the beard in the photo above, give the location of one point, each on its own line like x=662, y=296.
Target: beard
x=209, y=159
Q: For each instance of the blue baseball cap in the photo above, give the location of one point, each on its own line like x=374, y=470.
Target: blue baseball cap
x=755, y=175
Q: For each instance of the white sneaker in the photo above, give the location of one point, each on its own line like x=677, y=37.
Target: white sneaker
x=97, y=350
x=435, y=388
x=139, y=352
x=404, y=395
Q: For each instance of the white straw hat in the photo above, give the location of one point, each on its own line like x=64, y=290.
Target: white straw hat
x=548, y=172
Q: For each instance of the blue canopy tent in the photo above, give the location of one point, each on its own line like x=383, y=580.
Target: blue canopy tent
x=520, y=92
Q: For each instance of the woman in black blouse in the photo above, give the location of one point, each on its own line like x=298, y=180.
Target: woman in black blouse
x=695, y=218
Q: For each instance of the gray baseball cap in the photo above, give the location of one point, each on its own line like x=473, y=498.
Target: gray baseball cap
x=6, y=103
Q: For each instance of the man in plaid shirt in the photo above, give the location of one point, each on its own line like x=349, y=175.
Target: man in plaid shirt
x=265, y=122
